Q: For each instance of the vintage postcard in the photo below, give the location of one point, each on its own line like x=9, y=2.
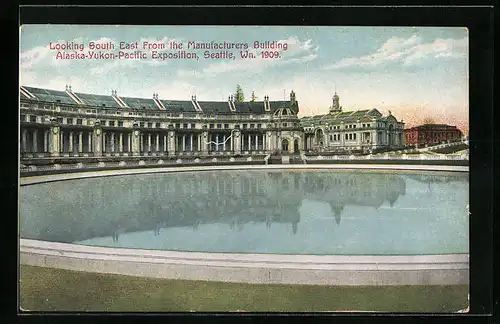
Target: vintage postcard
x=243, y=168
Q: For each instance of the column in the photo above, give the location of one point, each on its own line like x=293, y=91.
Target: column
x=61, y=147
x=55, y=141
x=89, y=143
x=224, y=142
x=97, y=143
x=203, y=141
x=129, y=143
x=112, y=141
x=35, y=140
x=48, y=140
x=183, y=143
x=268, y=141
x=70, y=142
x=249, y=142
x=135, y=142
x=157, y=142
x=23, y=140
x=102, y=140
x=199, y=143
x=171, y=143
x=257, y=142
x=80, y=142
x=217, y=141
x=164, y=143
x=149, y=142
x=45, y=141
x=237, y=142
x=120, y=142
x=191, y=142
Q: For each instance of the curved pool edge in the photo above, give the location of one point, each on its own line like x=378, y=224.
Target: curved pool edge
x=26, y=180
x=337, y=270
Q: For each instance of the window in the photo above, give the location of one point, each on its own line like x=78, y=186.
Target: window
x=259, y=125
x=211, y=126
x=79, y=121
x=177, y=125
x=285, y=125
x=244, y=126
x=219, y=126
x=150, y=125
x=237, y=126
x=22, y=118
x=350, y=136
x=331, y=137
x=346, y=136
x=33, y=119
x=252, y=125
x=141, y=124
x=193, y=125
x=353, y=126
x=120, y=123
x=103, y=123
x=367, y=125
x=112, y=123
x=184, y=125
x=226, y=126
x=354, y=136
x=157, y=125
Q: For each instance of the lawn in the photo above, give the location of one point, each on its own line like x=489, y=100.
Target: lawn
x=46, y=289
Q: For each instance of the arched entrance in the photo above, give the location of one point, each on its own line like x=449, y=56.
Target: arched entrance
x=284, y=145
x=296, y=145
x=390, y=135
x=319, y=136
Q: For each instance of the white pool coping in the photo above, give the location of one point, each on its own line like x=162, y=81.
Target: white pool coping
x=339, y=270
x=91, y=174
x=251, y=268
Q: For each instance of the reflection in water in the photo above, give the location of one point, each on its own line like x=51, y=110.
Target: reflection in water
x=78, y=210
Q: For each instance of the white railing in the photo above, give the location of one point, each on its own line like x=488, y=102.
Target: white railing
x=128, y=164
x=454, y=157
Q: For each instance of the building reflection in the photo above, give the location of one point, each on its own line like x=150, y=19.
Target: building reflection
x=108, y=207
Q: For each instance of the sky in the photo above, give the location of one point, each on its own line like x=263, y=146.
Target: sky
x=414, y=72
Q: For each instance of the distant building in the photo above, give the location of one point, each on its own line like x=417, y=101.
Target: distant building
x=360, y=130
x=432, y=134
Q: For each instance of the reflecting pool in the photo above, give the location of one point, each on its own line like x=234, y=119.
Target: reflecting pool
x=256, y=211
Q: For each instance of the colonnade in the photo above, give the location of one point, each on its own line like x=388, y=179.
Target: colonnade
x=56, y=140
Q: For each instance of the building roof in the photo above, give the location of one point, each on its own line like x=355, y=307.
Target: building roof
x=432, y=126
x=49, y=95
x=218, y=107
x=346, y=116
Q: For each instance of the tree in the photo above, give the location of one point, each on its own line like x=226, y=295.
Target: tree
x=253, y=97
x=239, y=96
x=428, y=120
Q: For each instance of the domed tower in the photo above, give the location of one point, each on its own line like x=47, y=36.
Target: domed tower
x=336, y=104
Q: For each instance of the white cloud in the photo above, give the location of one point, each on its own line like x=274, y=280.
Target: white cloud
x=32, y=57
x=407, y=51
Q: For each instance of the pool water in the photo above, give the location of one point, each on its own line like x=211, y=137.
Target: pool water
x=256, y=211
